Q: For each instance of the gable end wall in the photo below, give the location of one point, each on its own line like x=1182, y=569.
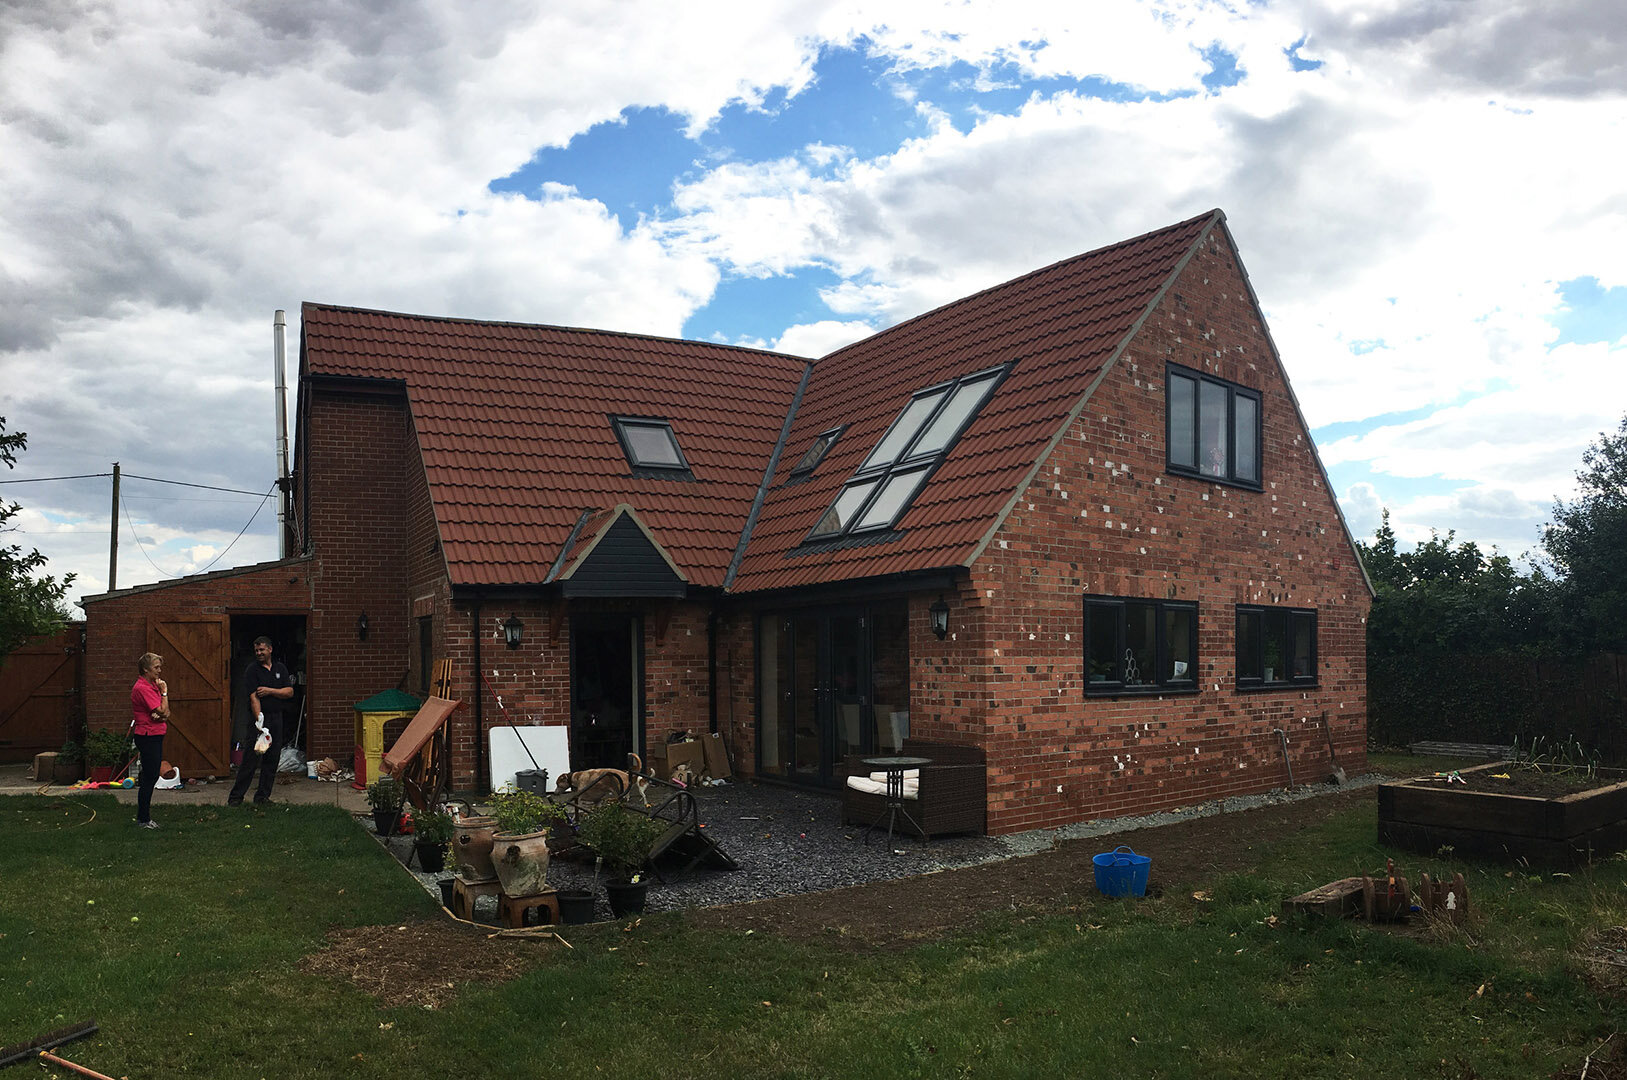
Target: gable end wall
x=1102, y=516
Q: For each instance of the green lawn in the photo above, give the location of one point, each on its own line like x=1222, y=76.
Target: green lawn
x=207, y=982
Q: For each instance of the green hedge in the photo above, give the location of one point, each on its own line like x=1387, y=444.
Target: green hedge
x=1498, y=697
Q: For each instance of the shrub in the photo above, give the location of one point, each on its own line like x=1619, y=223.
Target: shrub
x=620, y=837
x=108, y=749
x=521, y=812
x=386, y=793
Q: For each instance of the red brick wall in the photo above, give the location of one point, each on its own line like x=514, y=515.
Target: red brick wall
x=356, y=451
x=116, y=628
x=1103, y=516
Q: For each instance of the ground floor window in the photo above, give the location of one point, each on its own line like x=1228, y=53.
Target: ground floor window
x=1275, y=646
x=1140, y=645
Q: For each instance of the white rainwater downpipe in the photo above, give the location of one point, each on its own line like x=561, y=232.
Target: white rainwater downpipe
x=279, y=336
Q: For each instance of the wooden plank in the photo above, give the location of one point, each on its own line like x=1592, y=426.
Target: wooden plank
x=1335, y=900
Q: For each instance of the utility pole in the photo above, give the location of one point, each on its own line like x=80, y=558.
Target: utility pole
x=113, y=551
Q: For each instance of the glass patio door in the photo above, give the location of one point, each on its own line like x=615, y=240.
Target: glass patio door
x=813, y=694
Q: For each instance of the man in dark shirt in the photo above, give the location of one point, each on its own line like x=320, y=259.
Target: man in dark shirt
x=270, y=688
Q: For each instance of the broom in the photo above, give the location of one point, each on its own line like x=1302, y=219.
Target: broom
x=33, y=1048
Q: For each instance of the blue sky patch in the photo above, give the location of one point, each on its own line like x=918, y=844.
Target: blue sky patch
x=762, y=308
x=1223, y=69
x=1298, y=62
x=1591, y=313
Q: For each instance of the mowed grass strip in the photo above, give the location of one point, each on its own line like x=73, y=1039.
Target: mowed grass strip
x=208, y=982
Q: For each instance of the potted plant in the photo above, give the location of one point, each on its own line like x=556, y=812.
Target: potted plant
x=432, y=832
x=70, y=764
x=385, y=797
x=520, y=842
x=106, y=751
x=623, y=839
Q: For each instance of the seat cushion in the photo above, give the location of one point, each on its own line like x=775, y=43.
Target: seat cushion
x=909, y=774
x=912, y=788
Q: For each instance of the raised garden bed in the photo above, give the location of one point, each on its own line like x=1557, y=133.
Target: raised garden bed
x=1550, y=818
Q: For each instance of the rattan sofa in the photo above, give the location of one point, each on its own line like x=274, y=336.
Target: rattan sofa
x=952, y=796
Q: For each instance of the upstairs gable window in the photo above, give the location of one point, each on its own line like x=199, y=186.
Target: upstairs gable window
x=651, y=447
x=883, y=487
x=1213, y=429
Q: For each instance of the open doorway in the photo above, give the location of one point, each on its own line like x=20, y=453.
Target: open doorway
x=607, y=689
x=287, y=634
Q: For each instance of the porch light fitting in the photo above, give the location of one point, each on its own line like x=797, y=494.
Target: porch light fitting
x=511, y=631
x=361, y=627
x=940, y=618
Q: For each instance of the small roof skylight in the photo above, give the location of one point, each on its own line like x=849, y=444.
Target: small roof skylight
x=816, y=452
x=650, y=445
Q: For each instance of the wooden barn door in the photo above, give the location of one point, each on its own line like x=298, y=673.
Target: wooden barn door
x=195, y=649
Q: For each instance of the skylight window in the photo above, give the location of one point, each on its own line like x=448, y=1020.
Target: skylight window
x=892, y=475
x=816, y=453
x=651, y=447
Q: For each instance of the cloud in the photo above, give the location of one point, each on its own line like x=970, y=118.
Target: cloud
x=821, y=338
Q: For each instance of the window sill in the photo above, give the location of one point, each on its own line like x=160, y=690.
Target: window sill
x=1186, y=474
x=1142, y=691
x=1310, y=684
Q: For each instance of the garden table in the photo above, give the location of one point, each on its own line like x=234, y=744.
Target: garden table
x=894, y=765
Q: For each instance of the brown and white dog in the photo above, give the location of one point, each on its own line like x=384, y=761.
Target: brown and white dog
x=593, y=786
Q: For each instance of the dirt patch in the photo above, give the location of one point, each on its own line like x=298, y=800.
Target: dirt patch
x=895, y=914
x=423, y=963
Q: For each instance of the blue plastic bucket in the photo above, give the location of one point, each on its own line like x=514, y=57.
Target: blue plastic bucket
x=1121, y=872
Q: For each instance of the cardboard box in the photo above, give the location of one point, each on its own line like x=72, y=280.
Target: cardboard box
x=665, y=757
x=44, y=765
x=717, y=757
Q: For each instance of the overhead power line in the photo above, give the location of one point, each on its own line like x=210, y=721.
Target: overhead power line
x=128, y=476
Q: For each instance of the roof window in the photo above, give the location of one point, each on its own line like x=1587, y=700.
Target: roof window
x=882, y=488
x=816, y=452
x=651, y=447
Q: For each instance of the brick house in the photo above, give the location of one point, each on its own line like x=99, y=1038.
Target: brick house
x=1075, y=520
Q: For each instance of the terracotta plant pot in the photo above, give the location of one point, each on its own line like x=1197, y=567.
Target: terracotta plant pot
x=521, y=862
x=626, y=898
x=576, y=906
x=472, y=846
x=431, y=856
x=101, y=774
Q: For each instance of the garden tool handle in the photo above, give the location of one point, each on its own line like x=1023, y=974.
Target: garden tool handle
x=80, y=1069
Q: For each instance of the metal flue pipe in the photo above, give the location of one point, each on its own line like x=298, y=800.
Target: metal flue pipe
x=279, y=337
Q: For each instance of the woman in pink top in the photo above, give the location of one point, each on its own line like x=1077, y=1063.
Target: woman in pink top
x=149, y=704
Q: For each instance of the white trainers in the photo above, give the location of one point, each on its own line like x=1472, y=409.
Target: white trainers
x=146, y=824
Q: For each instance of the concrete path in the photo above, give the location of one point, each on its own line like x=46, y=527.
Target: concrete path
x=14, y=780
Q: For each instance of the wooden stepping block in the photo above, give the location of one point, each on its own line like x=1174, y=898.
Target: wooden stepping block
x=1335, y=900
x=465, y=893
x=511, y=910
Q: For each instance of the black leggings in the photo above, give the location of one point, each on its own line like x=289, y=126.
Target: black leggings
x=151, y=749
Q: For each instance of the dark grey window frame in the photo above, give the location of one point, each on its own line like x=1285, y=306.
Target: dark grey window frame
x=1233, y=392
x=1251, y=656
x=651, y=469
x=908, y=460
x=1117, y=609
x=817, y=451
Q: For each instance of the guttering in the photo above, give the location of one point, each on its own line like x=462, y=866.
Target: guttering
x=480, y=712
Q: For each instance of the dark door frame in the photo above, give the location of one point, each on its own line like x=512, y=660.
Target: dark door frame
x=635, y=627
x=826, y=695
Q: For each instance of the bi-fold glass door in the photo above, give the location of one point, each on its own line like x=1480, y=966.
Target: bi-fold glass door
x=819, y=672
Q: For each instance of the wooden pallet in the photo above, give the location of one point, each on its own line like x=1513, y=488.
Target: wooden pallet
x=1478, y=751
x=1335, y=900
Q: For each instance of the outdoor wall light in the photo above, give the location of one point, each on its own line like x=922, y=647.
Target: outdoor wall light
x=511, y=631
x=361, y=626
x=940, y=618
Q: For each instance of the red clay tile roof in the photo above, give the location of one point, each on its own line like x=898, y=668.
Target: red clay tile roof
x=513, y=421
x=1060, y=324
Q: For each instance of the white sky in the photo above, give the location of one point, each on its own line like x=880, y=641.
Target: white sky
x=1407, y=210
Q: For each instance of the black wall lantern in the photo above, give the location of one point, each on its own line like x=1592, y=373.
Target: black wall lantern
x=511, y=631
x=940, y=618
x=361, y=626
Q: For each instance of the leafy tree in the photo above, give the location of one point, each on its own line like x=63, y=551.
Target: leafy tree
x=29, y=605
x=1446, y=596
x=1588, y=544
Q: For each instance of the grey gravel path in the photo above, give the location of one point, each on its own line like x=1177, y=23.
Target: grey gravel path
x=789, y=841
